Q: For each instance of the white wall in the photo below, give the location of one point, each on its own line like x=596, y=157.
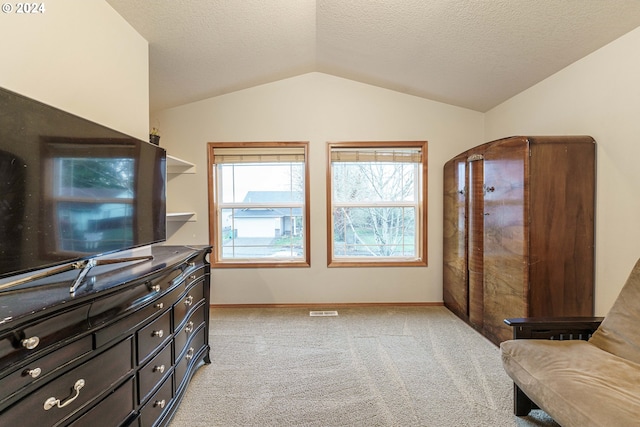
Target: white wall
x=318, y=108
x=81, y=57
x=598, y=96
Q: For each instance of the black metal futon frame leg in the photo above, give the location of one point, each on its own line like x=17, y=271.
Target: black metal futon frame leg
x=522, y=405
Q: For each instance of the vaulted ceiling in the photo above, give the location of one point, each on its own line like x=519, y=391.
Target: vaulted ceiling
x=470, y=53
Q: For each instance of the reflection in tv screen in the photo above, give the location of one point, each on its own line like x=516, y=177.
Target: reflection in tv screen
x=94, y=203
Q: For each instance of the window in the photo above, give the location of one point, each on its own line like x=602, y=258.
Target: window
x=376, y=193
x=259, y=204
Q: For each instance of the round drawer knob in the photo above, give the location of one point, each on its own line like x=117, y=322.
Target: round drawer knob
x=33, y=373
x=188, y=301
x=155, y=288
x=159, y=369
x=159, y=403
x=159, y=333
x=30, y=343
x=189, y=355
x=159, y=306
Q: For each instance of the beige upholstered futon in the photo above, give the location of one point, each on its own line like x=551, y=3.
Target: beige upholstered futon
x=581, y=383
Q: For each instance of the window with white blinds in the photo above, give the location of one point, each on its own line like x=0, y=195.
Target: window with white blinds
x=376, y=194
x=259, y=203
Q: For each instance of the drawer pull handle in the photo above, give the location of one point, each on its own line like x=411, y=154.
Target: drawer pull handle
x=155, y=288
x=159, y=306
x=52, y=401
x=30, y=343
x=188, y=301
x=192, y=277
x=189, y=355
x=159, y=403
x=159, y=333
x=159, y=369
x=33, y=373
x=189, y=328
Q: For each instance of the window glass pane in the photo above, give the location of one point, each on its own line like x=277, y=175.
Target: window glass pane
x=373, y=181
x=263, y=232
x=282, y=182
x=374, y=231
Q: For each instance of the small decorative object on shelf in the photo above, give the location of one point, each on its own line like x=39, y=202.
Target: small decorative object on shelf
x=154, y=136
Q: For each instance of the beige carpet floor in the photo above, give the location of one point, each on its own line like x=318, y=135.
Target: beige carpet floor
x=369, y=366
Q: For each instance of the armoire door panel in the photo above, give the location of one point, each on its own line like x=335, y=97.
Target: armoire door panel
x=476, y=238
x=506, y=232
x=455, y=289
x=562, y=251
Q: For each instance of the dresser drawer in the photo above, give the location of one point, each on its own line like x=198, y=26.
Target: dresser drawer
x=119, y=304
x=38, y=370
x=152, y=373
x=74, y=389
x=194, y=346
x=193, y=276
x=152, y=410
x=114, y=410
x=188, y=302
x=190, y=326
x=130, y=310
x=21, y=343
x=153, y=336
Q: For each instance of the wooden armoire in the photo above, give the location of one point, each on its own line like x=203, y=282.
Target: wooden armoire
x=519, y=231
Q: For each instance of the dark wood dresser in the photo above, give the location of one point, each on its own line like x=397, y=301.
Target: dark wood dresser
x=519, y=231
x=120, y=351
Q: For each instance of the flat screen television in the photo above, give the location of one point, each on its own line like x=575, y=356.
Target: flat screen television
x=71, y=189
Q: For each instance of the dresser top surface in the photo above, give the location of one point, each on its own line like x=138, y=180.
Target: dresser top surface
x=39, y=297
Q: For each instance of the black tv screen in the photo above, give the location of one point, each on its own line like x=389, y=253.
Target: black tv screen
x=71, y=189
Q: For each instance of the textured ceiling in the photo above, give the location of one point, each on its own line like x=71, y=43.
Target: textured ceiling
x=470, y=53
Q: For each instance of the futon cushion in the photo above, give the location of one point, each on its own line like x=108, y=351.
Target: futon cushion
x=575, y=382
x=619, y=333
